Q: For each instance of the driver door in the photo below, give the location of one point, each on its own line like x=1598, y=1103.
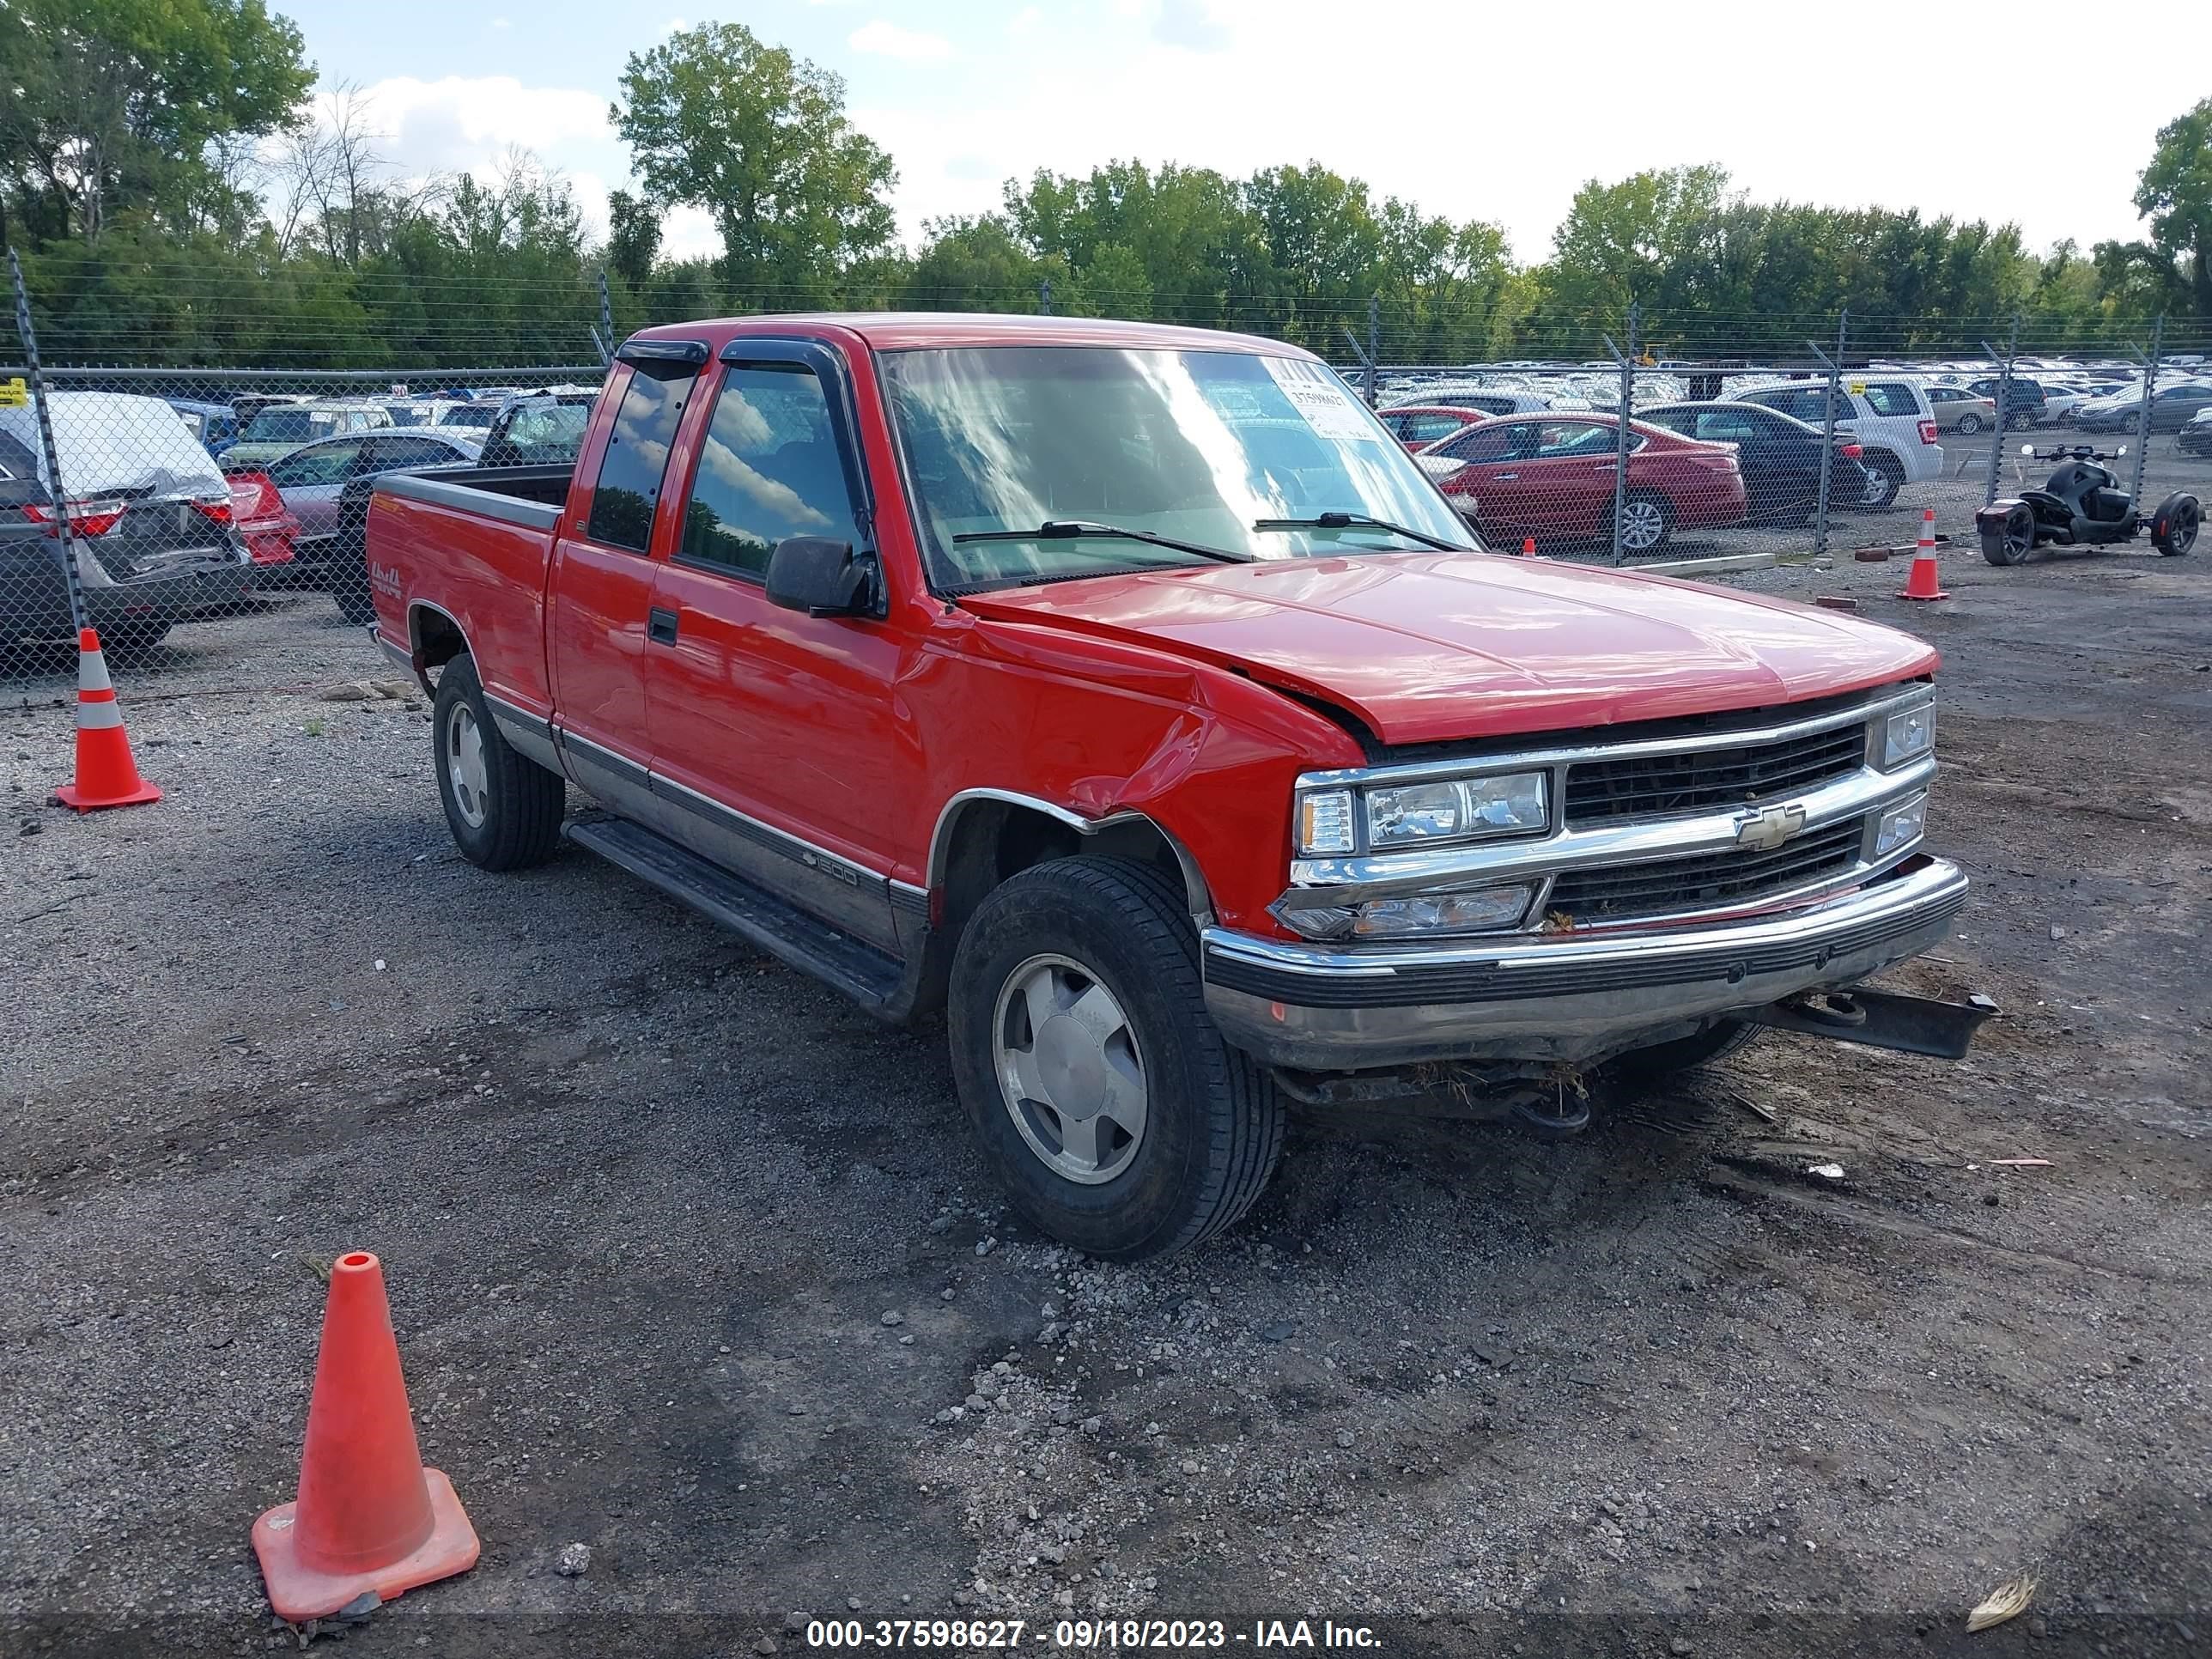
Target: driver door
x=773, y=731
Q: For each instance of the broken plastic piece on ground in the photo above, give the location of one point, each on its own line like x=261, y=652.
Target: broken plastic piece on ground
x=2008, y=1600
x=2021, y=1164
x=1825, y=1172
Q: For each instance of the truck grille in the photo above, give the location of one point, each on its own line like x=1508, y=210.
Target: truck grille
x=1709, y=881
x=1656, y=786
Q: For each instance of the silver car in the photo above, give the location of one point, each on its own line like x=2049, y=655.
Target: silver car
x=311, y=478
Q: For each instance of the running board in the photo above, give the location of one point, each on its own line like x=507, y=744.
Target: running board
x=872, y=978
x=1880, y=1020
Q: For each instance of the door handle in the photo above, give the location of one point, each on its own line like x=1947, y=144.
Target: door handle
x=1507, y=477
x=660, y=626
x=1606, y=466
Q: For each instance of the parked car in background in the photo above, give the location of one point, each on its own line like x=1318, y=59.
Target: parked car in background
x=279, y=429
x=2026, y=404
x=312, y=477
x=2060, y=403
x=1481, y=399
x=1779, y=457
x=539, y=429
x=475, y=415
x=2196, y=438
x=2172, y=407
x=266, y=527
x=1419, y=425
x=1957, y=409
x=148, y=513
x=213, y=424
x=1891, y=419
x=1553, y=480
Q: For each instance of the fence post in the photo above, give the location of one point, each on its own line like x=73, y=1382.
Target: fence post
x=605, y=337
x=1044, y=298
x=1828, y=430
x=1627, y=362
x=2004, y=400
x=62, y=538
x=1374, y=348
x=2142, y=413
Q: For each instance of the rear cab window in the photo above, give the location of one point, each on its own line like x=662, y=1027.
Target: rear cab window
x=627, y=491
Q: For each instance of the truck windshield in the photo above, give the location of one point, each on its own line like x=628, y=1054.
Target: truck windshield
x=1196, y=446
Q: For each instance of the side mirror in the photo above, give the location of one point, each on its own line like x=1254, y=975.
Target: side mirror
x=821, y=577
x=2121, y=451
x=2027, y=449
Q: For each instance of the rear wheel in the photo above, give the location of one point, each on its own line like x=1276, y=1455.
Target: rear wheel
x=2011, y=541
x=504, y=809
x=1647, y=519
x=1884, y=478
x=1968, y=425
x=1105, y=1097
x=2173, y=527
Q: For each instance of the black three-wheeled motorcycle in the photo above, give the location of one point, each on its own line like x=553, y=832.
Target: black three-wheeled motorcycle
x=2082, y=505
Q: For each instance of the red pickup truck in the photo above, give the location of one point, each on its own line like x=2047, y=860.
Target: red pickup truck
x=1129, y=694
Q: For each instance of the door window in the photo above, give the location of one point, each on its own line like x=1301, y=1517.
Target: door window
x=1427, y=428
x=1727, y=426
x=770, y=468
x=386, y=453
x=325, y=464
x=627, y=488
x=1558, y=440
x=1490, y=443
x=1891, y=398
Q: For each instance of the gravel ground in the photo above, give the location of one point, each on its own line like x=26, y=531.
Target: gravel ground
x=693, y=1265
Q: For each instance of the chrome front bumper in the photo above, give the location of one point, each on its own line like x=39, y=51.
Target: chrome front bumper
x=1570, y=997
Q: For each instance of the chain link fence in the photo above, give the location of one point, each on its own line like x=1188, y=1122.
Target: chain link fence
x=178, y=497
x=177, y=494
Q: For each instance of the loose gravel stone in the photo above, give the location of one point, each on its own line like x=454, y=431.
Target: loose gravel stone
x=575, y=1561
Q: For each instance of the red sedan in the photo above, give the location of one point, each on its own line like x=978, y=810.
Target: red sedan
x=1552, y=478
x=1417, y=426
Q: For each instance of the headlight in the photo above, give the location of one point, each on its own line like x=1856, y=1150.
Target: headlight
x=1471, y=910
x=1900, y=826
x=1907, y=735
x=1457, y=810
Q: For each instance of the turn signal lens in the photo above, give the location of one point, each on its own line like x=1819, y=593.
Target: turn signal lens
x=1325, y=822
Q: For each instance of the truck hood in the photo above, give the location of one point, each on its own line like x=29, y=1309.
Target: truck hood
x=1429, y=647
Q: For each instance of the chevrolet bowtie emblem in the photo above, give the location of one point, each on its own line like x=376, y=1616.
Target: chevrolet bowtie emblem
x=1767, y=828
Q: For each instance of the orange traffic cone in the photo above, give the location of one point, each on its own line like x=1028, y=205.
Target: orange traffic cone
x=106, y=774
x=1921, y=584
x=1528, y=547
x=369, y=1519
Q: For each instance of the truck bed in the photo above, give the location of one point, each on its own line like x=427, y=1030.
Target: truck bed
x=489, y=531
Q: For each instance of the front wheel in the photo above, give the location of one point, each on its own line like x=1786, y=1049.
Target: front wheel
x=503, y=808
x=2173, y=527
x=1968, y=425
x=2011, y=541
x=1105, y=1098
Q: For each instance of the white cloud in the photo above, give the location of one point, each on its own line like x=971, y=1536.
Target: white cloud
x=1189, y=23
x=674, y=26
x=1025, y=20
x=461, y=122
x=501, y=23
x=887, y=39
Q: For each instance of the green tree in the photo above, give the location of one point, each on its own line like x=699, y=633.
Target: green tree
x=718, y=119
x=110, y=106
x=2175, y=194
x=633, y=238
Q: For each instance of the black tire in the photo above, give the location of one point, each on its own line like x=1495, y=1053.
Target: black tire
x=1214, y=1124
x=1968, y=425
x=516, y=820
x=2173, y=527
x=1643, y=1067
x=1885, y=478
x=2013, y=542
x=1640, y=506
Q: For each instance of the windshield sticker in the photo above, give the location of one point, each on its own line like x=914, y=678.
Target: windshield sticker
x=1322, y=400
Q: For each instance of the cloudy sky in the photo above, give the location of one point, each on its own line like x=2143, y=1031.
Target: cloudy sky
x=1492, y=112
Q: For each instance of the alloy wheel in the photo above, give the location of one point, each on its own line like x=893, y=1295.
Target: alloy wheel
x=1069, y=1069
